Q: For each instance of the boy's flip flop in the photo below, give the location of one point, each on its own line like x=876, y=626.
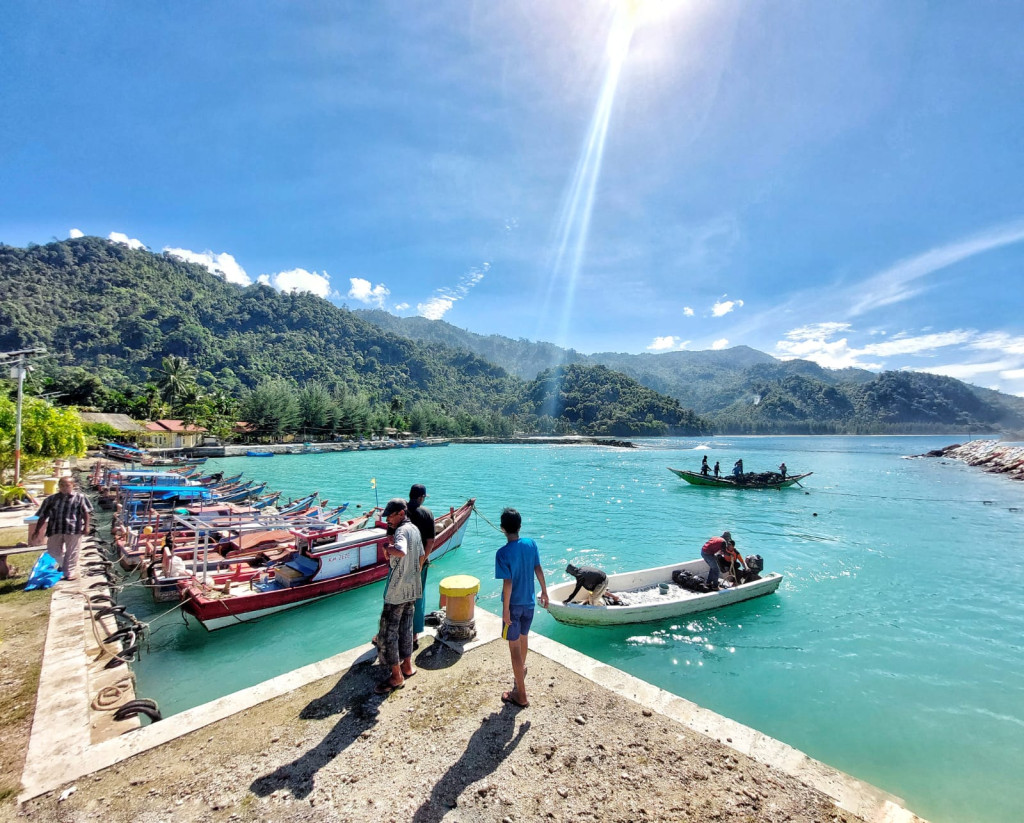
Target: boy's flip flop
x=507, y=697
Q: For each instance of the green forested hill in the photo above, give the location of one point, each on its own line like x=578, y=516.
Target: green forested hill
x=119, y=311
x=741, y=390
x=104, y=309
x=597, y=400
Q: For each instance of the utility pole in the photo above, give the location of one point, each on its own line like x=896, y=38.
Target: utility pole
x=18, y=372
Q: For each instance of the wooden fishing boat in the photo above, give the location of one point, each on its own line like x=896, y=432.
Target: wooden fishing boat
x=650, y=595
x=750, y=480
x=322, y=562
x=141, y=540
x=254, y=453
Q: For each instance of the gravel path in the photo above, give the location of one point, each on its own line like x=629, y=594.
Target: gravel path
x=443, y=748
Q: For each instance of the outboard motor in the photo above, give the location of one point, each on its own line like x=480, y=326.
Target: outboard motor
x=755, y=565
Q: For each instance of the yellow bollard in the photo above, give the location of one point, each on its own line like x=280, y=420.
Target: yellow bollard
x=49, y=485
x=458, y=595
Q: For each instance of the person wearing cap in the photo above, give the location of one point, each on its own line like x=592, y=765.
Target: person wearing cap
x=423, y=519
x=403, y=588
x=724, y=547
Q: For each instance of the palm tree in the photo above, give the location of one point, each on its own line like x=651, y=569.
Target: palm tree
x=177, y=379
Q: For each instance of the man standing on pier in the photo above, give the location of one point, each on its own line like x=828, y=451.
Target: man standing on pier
x=63, y=520
x=423, y=519
x=403, y=588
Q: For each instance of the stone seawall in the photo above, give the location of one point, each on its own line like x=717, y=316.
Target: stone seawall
x=991, y=455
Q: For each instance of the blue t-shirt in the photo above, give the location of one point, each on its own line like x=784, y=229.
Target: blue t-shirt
x=516, y=561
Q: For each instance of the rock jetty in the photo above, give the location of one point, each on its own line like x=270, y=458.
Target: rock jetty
x=991, y=455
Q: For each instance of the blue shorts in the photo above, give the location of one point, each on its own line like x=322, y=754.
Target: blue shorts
x=522, y=617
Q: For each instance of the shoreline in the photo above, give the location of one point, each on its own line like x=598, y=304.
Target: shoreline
x=991, y=455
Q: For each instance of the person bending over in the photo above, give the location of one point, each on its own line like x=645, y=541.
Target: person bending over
x=593, y=580
x=724, y=547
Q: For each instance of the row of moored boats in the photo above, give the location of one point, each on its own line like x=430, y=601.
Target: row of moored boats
x=232, y=552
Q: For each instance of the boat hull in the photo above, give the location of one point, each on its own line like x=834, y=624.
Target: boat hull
x=244, y=601
x=652, y=605
x=698, y=479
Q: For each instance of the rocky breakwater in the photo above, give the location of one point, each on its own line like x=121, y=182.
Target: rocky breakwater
x=991, y=455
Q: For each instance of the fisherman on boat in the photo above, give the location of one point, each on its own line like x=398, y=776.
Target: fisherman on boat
x=719, y=547
x=704, y=466
x=717, y=469
x=594, y=581
x=737, y=469
x=782, y=470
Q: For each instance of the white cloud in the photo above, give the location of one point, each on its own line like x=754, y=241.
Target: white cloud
x=1000, y=341
x=435, y=308
x=969, y=371
x=723, y=307
x=118, y=237
x=666, y=343
x=720, y=344
x=365, y=292
x=897, y=283
x=401, y=306
x=299, y=280
x=814, y=342
x=441, y=303
x=687, y=311
x=222, y=264
x=76, y=233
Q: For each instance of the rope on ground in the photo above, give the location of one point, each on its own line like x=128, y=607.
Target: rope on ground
x=109, y=697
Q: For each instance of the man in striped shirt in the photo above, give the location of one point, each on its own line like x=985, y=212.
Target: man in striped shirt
x=64, y=518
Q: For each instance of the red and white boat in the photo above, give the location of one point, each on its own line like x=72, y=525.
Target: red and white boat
x=324, y=561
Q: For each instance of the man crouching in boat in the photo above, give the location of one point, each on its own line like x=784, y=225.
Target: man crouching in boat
x=724, y=547
x=594, y=581
x=403, y=589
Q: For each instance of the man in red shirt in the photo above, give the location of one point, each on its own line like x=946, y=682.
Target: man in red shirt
x=716, y=547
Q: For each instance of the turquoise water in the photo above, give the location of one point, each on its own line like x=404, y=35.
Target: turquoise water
x=892, y=650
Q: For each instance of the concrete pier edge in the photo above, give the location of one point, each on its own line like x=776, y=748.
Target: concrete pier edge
x=60, y=750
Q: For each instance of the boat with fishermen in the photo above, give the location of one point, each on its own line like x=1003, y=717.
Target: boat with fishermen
x=655, y=594
x=322, y=561
x=747, y=480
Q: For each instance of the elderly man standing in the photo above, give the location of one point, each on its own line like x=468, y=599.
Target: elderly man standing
x=403, y=588
x=63, y=519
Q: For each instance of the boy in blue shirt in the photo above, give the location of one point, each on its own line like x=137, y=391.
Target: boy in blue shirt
x=516, y=564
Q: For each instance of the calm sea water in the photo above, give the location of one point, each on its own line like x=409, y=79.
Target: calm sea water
x=892, y=650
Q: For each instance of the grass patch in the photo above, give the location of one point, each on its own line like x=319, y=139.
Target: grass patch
x=24, y=617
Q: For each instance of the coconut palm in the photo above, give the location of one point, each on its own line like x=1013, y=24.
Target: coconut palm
x=177, y=380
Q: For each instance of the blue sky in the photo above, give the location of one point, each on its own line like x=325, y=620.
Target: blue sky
x=840, y=181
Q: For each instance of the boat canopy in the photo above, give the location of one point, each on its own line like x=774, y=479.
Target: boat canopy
x=123, y=448
x=192, y=492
